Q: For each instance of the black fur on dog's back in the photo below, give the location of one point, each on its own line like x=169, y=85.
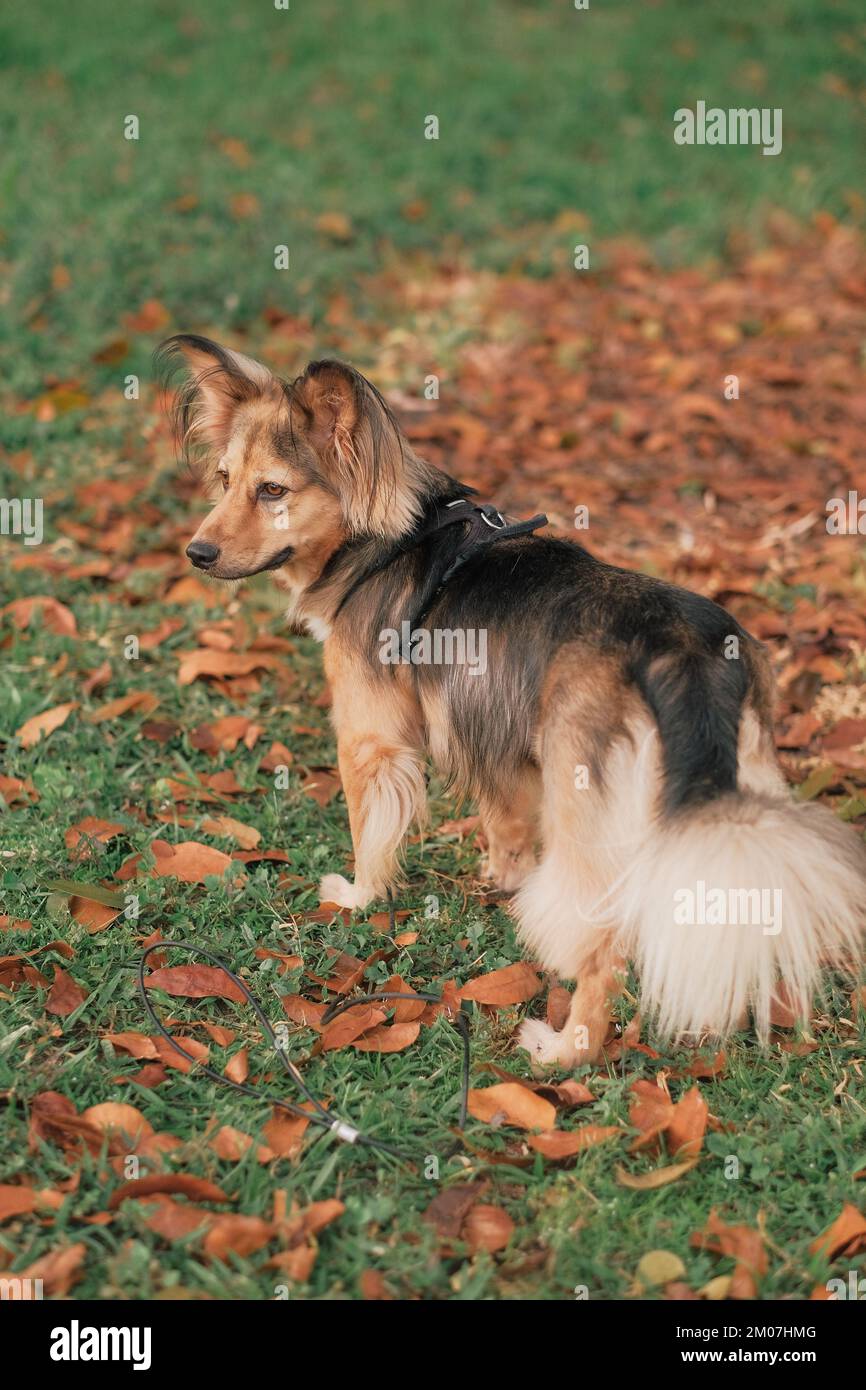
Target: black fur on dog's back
x=533, y=596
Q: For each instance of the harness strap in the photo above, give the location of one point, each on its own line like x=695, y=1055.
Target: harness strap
x=485, y=525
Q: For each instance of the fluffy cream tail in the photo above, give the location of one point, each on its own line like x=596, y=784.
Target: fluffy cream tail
x=725, y=902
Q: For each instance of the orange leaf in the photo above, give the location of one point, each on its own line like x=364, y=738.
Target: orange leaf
x=236, y=1235
x=563, y=1143
x=206, y=661
x=41, y=725
x=238, y=1069
x=744, y=1244
x=55, y=616
x=15, y=1201
x=686, y=1127
x=65, y=996
x=92, y=915
x=136, y=1044
x=514, y=1104
x=58, y=1270
x=512, y=985
x=244, y=835
x=197, y=1189
x=190, y=861
x=848, y=1233
x=142, y=700
x=487, y=1228
x=393, y=1037
x=195, y=982
x=114, y=1117
x=91, y=828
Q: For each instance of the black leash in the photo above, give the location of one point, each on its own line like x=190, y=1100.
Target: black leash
x=317, y=1115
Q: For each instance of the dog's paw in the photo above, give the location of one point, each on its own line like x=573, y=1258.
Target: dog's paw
x=545, y=1046
x=507, y=871
x=336, y=889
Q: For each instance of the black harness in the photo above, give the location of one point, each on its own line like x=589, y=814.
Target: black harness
x=485, y=525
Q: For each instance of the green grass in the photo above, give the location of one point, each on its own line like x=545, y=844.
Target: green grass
x=545, y=113
x=798, y=1143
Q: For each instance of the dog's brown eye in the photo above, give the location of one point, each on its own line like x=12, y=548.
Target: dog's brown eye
x=224, y=479
x=273, y=490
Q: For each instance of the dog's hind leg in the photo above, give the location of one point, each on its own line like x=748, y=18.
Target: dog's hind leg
x=599, y=758
x=510, y=823
x=582, y=1038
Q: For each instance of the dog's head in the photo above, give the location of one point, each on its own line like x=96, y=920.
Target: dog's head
x=295, y=468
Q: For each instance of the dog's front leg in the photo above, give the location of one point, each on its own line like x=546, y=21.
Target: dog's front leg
x=379, y=749
x=384, y=786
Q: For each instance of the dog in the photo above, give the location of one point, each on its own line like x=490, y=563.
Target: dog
x=618, y=740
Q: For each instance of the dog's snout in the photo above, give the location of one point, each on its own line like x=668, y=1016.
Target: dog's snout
x=202, y=554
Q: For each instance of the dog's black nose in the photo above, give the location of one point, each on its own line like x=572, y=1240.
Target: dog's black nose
x=202, y=554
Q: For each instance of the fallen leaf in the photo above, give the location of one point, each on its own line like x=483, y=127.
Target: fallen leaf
x=659, y=1177
x=512, y=985
x=206, y=661
x=687, y=1125
x=41, y=725
x=59, y=1270
x=197, y=1189
x=116, y=1118
x=195, y=982
x=564, y=1143
x=245, y=835
x=450, y=1207
x=91, y=830
x=513, y=1104
x=144, y=701
x=53, y=614
x=744, y=1244
x=392, y=1037
x=66, y=996
x=189, y=861
x=659, y=1267
x=847, y=1233
x=136, y=1044
x=16, y=1201
x=238, y=1069
x=236, y=1235
x=487, y=1228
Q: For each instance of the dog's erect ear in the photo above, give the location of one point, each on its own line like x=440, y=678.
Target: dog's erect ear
x=218, y=381
x=359, y=444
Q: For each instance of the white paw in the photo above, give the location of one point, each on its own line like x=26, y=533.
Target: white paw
x=544, y=1044
x=336, y=889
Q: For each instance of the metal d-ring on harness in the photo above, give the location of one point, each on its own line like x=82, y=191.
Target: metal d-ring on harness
x=317, y=1114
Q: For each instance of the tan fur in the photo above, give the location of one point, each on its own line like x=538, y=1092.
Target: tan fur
x=381, y=760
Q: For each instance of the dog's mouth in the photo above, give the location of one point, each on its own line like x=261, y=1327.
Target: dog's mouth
x=210, y=565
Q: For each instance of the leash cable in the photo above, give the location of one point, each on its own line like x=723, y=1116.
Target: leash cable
x=318, y=1115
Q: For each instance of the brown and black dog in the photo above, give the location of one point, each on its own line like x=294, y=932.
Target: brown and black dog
x=617, y=735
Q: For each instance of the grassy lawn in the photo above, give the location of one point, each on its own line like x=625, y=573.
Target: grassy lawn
x=259, y=128
x=255, y=122
x=794, y=1123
